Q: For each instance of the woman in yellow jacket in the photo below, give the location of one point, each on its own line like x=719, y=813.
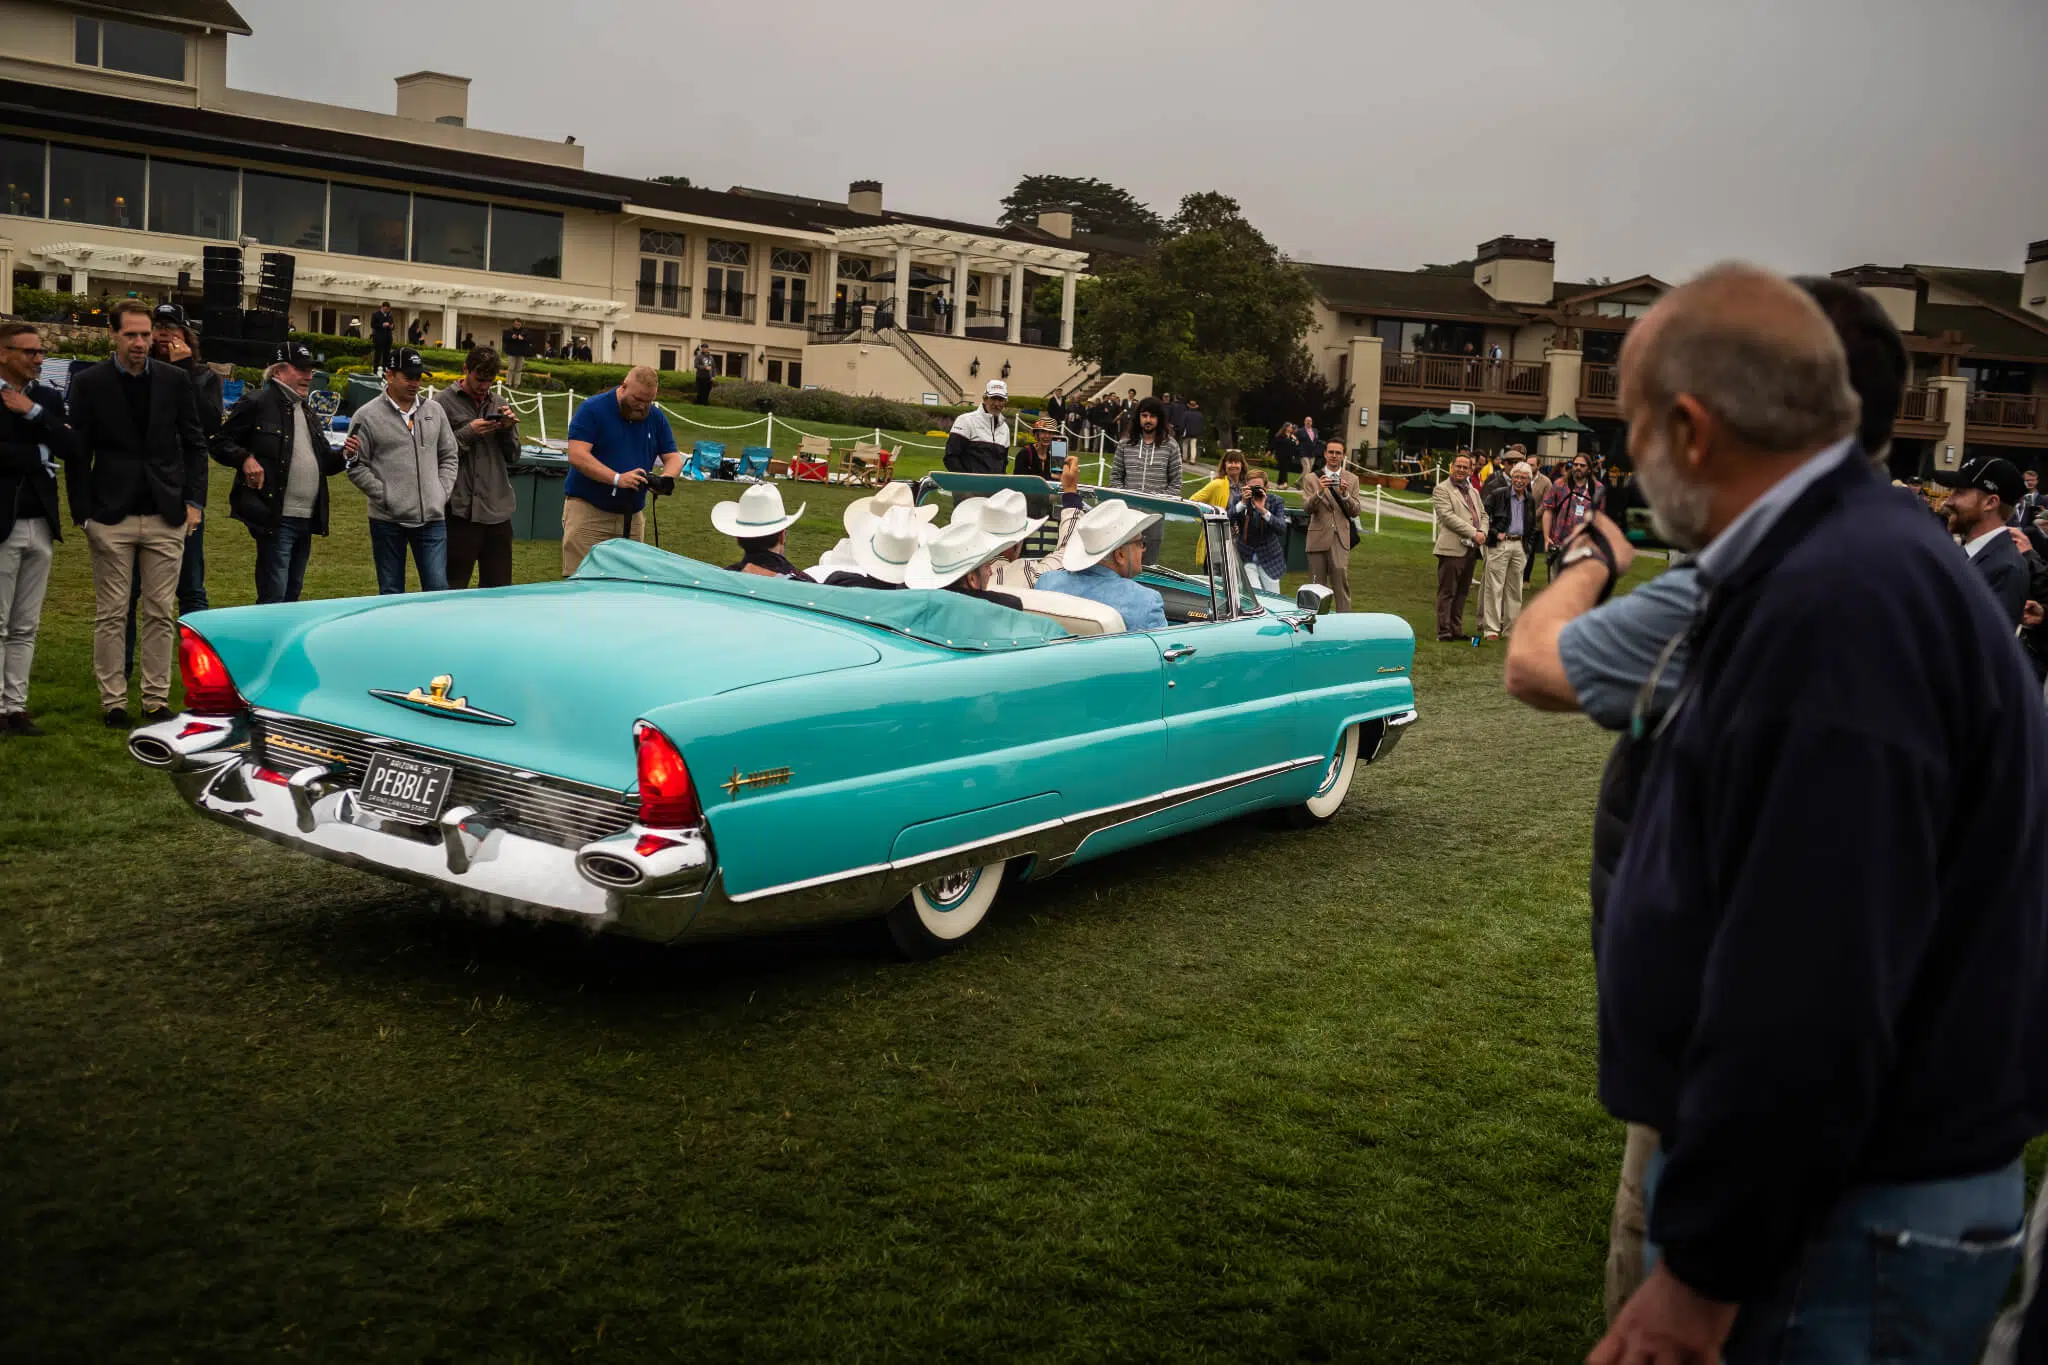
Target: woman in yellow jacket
x=1218, y=491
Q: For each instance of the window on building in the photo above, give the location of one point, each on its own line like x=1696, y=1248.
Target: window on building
x=367, y=222
x=790, y=372
x=191, y=200
x=725, y=278
x=774, y=370
x=21, y=177
x=668, y=359
x=89, y=186
x=661, y=285
x=789, y=284
x=736, y=364
x=449, y=232
x=135, y=48
x=283, y=210
x=653, y=243
x=526, y=242
x=855, y=267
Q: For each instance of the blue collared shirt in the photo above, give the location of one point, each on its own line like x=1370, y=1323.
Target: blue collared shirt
x=1141, y=608
x=1739, y=539
x=1514, y=514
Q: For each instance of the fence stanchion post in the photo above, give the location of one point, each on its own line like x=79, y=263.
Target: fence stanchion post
x=771, y=431
x=1376, y=509
x=540, y=411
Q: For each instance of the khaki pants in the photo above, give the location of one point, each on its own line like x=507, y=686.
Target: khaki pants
x=584, y=526
x=1332, y=569
x=148, y=546
x=1500, y=595
x=1625, y=1234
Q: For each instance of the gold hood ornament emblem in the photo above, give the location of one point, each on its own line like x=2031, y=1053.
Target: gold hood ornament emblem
x=436, y=701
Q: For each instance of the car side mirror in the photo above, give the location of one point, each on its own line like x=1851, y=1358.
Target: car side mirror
x=1314, y=598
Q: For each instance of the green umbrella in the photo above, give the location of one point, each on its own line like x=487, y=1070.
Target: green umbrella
x=1421, y=421
x=1529, y=426
x=1564, y=423
x=1493, y=421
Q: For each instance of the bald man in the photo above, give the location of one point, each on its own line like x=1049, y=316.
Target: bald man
x=1821, y=968
x=615, y=441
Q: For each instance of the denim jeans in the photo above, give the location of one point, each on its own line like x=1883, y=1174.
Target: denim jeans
x=1895, y=1273
x=388, y=542
x=281, y=560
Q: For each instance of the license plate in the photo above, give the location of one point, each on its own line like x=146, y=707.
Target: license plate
x=402, y=788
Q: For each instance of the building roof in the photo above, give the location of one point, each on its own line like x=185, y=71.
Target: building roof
x=198, y=13
x=1988, y=331
x=1425, y=292
x=1999, y=288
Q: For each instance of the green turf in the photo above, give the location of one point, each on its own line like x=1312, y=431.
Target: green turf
x=1247, y=1094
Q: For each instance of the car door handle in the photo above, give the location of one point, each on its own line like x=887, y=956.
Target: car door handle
x=1178, y=652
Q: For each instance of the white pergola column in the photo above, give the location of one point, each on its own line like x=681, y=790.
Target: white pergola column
x=604, y=344
x=49, y=281
x=1067, y=311
x=79, y=283
x=1016, y=332
x=959, y=299
x=828, y=288
x=451, y=325
x=901, y=292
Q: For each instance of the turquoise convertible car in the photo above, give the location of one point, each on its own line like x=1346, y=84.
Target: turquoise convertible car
x=669, y=750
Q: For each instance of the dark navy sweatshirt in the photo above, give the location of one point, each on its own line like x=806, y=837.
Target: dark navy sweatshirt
x=1823, y=959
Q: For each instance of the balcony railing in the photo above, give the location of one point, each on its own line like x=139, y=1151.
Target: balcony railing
x=2007, y=411
x=727, y=304
x=1463, y=374
x=1922, y=405
x=792, y=314
x=1600, y=381
x=656, y=297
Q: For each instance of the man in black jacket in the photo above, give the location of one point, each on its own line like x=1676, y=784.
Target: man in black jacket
x=274, y=442
x=517, y=348
x=173, y=342
x=137, y=484
x=1986, y=491
x=33, y=438
x=383, y=327
x=1822, y=969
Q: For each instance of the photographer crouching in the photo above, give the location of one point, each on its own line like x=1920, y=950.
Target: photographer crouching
x=614, y=441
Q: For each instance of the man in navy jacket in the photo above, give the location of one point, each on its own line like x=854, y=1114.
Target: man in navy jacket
x=1822, y=968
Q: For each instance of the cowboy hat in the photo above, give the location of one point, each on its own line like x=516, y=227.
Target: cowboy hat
x=1002, y=514
x=890, y=544
x=861, y=511
x=839, y=557
x=1102, y=528
x=756, y=512
x=950, y=555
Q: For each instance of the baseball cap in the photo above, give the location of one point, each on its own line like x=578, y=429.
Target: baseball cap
x=1992, y=475
x=297, y=354
x=167, y=315
x=996, y=389
x=407, y=362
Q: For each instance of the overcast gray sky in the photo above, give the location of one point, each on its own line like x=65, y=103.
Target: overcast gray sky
x=1642, y=135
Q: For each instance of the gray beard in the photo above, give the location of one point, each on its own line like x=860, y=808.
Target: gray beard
x=1678, y=511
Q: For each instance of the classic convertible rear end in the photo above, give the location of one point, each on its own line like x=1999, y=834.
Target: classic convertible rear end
x=668, y=750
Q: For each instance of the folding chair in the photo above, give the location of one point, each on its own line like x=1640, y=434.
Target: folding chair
x=754, y=461
x=325, y=402
x=870, y=464
x=704, y=460
x=813, y=462
x=231, y=393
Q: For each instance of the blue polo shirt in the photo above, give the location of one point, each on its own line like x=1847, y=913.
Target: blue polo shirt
x=617, y=444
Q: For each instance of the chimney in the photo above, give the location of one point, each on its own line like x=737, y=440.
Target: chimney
x=1058, y=223
x=1896, y=291
x=2034, y=283
x=865, y=196
x=1517, y=269
x=434, y=97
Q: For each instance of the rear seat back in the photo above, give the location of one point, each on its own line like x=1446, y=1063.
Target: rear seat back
x=1079, y=615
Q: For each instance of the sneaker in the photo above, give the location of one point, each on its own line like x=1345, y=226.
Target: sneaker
x=156, y=715
x=1493, y=635
x=116, y=719
x=18, y=723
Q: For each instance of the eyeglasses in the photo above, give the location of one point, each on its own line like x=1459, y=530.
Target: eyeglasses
x=36, y=351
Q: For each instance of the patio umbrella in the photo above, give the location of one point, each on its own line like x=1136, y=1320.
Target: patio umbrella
x=1420, y=422
x=1528, y=426
x=919, y=278
x=1564, y=423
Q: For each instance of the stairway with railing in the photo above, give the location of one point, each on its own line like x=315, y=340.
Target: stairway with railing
x=905, y=345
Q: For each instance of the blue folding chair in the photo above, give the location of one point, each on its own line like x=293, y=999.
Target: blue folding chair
x=231, y=392
x=754, y=462
x=705, y=459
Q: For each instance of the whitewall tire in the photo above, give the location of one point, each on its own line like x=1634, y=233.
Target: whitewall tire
x=940, y=915
x=1334, y=786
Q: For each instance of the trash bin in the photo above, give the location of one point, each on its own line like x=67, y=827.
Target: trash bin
x=1297, y=540
x=537, y=488
x=361, y=389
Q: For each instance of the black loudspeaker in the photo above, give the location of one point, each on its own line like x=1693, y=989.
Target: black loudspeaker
x=274, y=283
x=220, y=323
x=265, y=325
x=222, y=279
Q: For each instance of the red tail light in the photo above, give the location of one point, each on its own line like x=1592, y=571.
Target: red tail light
x=209, y=691
x=668, y=799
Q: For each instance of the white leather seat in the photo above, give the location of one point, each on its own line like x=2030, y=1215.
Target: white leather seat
x=1080, y=615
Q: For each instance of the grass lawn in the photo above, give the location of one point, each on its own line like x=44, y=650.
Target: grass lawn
x=1248, y=1094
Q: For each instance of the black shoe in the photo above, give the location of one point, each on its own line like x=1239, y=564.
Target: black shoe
x=116, y=719
x=156, y=715
x=18, y=723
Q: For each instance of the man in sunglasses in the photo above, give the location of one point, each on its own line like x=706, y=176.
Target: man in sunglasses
x=980, y=440
x=33, y=437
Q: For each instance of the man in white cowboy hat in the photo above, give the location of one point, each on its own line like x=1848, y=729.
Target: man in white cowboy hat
x=1004, y=515
x=756, y=520
x=861, y=511
x=980, y=440
x=882, y=550
x=1106, y=552
x=957, y=559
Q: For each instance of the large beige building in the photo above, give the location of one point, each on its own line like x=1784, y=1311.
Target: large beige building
x=1501, y=332
x=124, y=152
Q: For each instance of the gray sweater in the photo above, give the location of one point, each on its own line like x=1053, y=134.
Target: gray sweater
x=483, y=490
x=406, y=472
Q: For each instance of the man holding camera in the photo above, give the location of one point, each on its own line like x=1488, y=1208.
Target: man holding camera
x=480, y=505
x=614, y=440
x=403, y=456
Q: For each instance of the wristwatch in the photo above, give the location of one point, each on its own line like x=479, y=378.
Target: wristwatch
x=1588, y=544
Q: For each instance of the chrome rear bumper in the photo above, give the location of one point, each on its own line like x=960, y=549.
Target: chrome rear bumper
x=647, y=883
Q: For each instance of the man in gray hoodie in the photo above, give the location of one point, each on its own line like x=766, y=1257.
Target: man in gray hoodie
x=402, y=453
x=481, y=506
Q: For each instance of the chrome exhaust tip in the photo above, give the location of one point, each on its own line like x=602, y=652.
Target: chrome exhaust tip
x=151, y=751
x=608, y=869
x=649, y=862
x=187, y=743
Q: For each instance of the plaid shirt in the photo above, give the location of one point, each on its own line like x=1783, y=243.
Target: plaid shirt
x=1570, y=507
